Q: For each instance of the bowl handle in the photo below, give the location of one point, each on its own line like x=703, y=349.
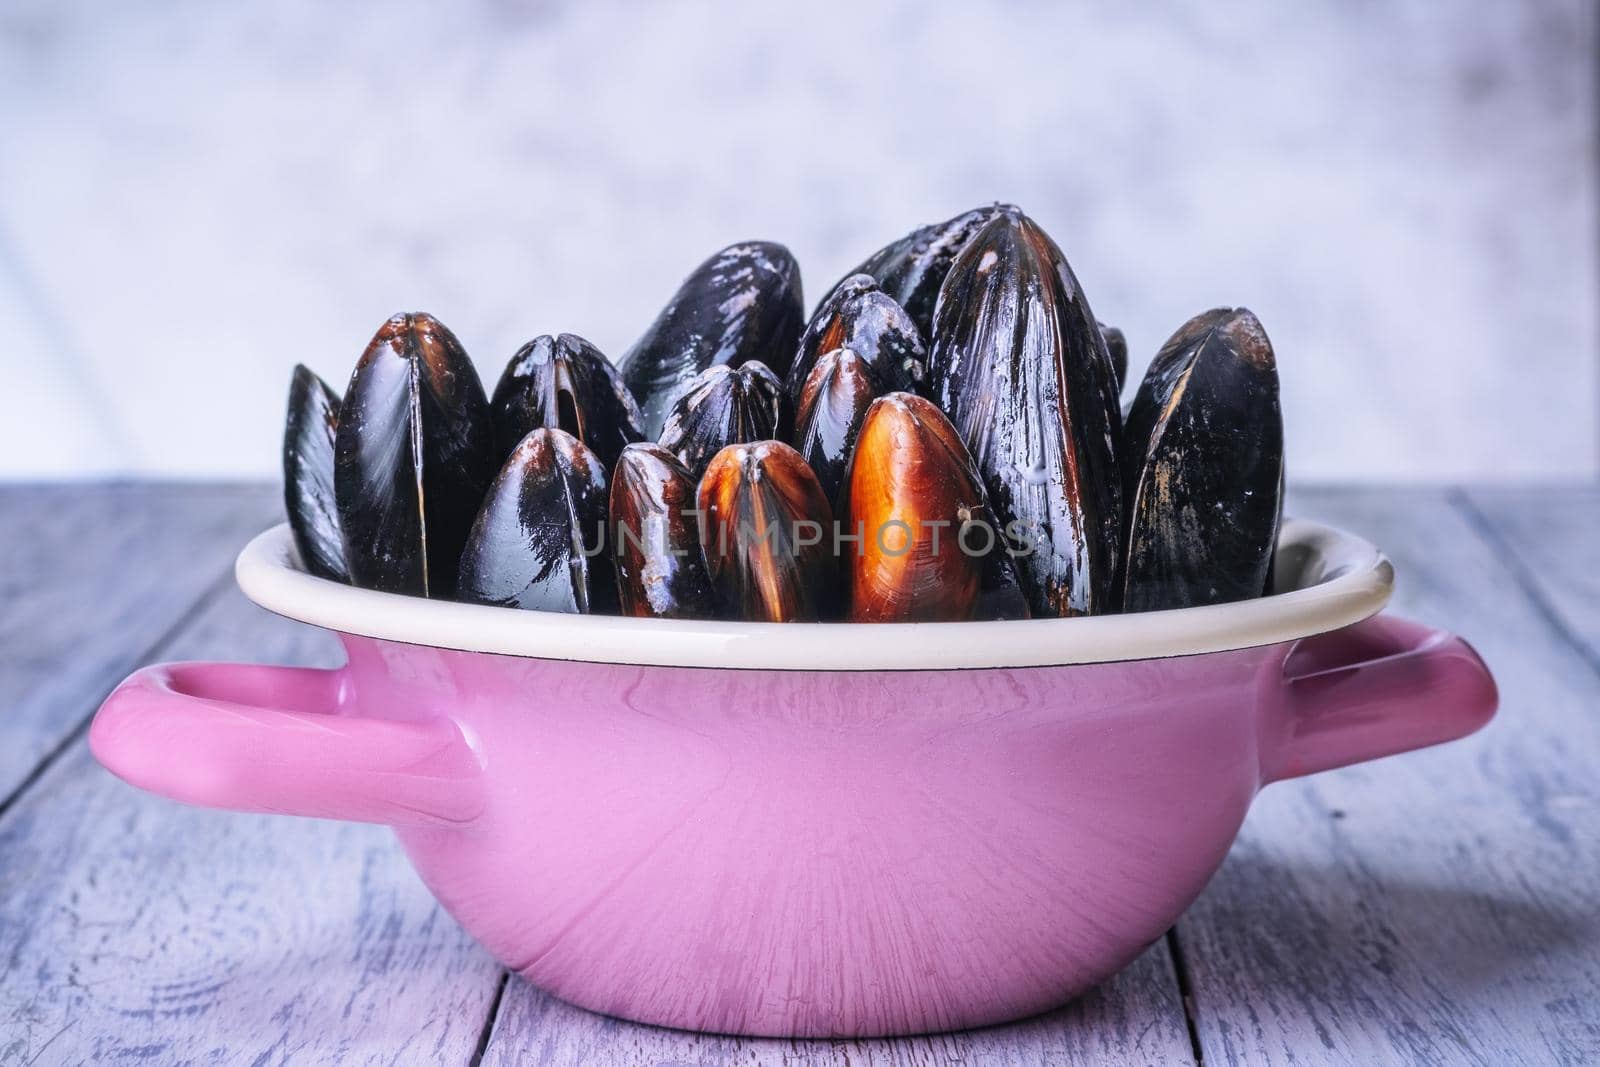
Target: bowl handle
x=277, y=739
x=1380, y=687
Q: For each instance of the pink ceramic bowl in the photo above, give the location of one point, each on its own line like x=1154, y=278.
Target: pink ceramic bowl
x=820, y=830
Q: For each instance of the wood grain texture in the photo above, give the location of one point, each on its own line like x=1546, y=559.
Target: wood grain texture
x=1439, y=907
x=1135, y=1018
x=91, y=578
x=1552, y=539
x=134, y=928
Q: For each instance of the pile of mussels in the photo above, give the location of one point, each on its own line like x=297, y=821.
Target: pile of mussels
x=941, y=441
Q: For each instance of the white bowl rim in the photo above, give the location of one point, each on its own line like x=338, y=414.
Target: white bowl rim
x=1332, y=579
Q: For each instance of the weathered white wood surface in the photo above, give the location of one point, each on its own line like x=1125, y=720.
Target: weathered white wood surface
x=91, y=578
x=1439, y=907
x=1442, y=907
x=1552, y=539
x=136, y=929
x=1136, y=1018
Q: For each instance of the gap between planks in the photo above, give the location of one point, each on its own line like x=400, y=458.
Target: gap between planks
x=1180, y=973
x=1511, y=558
x=489, y=1019
x=148, y=654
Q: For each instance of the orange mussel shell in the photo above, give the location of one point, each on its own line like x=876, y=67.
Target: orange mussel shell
x=769, y=535
x=916, y=499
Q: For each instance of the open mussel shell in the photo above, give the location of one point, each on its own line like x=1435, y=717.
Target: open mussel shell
x=308, y=494
x=912, y=269
x=768, y=537
x=725, y=406
x=828, y=414
x=861, y=317
x=656, y=537
x=917, y=503
x=565, y=383
x=413, y=454
x=1020, y=366
x=1117, y=349
x=540, y=541
x=743, y=303
x=1204, y=463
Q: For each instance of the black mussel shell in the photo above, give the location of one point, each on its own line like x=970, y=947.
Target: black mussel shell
x=725, y=406
x=1020, y=366
x=540, y=541
x=1000, y=594
x=768, y=538
x=308, y=495
x=859, y=316
x=655, y=537
x=1272, y=563
x=911, y=269
x=1204, y=467
x=828, y=414
x=413, y=455
x=565, y=383
x=1117, y=349
x=743, y=303
x=915, y=499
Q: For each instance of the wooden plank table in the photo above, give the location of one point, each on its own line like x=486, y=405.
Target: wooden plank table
x=1442, y=907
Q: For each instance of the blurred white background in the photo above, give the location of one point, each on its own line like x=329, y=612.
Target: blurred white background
x=192, y=199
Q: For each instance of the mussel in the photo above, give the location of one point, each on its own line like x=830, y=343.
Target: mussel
x=308, y=495
x=912, y=269
x=1000, y=593
x=828, y=414
x=565, y=383
x=859, y=316
x=413, y=453
x=540, y=541
x=768, y=538
x=656, y=537
x=917, y=502
x=1117, y=349
x=725, y=406
x=1020, y=366
x=743, y=303
x=1204, y=467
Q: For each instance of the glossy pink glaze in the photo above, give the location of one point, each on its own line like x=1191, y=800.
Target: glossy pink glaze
x=797, y=853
